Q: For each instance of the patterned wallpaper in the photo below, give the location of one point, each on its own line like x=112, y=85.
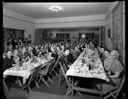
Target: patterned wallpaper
x=118, y=29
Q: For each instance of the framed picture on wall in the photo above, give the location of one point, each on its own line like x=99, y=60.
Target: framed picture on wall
x=109, y=33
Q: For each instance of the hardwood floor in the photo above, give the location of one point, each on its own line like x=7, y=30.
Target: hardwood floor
x=53, y=92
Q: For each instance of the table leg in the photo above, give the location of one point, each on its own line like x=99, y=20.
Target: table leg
x=5, y=88
x=101, y=90
x=72, y=86
x=19, y=82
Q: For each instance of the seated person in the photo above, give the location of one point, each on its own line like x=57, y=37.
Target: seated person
x=78, y=52
x=107, y=60
x=42, y=50
x=30, y=50
x=25, y=55
x=17, y=58
x=70, y=58
x=8, y=61
x=91, y=46
x=67, y=59
x=54, y=53
x=35, y=51
x=59, y=51
x=101, y=54
x=4, y=55
x=73, y=53
x=114, y=69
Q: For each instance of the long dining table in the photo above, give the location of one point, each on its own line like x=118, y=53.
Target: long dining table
x=25, y=70
x=82, y=69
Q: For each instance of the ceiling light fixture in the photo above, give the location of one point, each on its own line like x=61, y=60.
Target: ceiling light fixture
x=55, y=8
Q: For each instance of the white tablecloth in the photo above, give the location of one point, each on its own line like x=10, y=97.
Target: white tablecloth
x=25, y=73
x=83, y=72
x=20, y=73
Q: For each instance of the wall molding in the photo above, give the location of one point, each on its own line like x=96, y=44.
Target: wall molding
x=18, y=19
x=17, y=16
x=70, y=21
x=72, y=25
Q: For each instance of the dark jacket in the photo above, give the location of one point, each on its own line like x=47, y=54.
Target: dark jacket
x=7, y=63
x=70, y=58
x=35, y=52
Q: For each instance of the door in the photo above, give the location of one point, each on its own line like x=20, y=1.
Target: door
x=97, y=39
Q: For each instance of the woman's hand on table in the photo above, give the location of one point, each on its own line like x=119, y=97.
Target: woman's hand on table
x=109, y=73
x=13, y=65
x=107, y=79
x=116, y=75
x=69, y=66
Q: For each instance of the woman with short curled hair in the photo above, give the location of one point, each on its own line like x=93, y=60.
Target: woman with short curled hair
x=114, y=71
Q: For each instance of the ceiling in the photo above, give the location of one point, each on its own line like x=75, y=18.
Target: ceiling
x=41, y=10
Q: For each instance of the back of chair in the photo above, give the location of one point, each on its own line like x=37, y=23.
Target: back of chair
x=56, y=63
x=65, y=68
x=64, y=73
x=36, y=71
x=49, y=66
x=34, y=75
x=121, y=85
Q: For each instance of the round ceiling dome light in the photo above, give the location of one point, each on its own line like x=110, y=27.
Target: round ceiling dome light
x=55, y=8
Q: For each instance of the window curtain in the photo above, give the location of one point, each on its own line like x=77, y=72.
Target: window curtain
x=118, y=29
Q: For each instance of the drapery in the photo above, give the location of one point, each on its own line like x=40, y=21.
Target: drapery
x=118, y=29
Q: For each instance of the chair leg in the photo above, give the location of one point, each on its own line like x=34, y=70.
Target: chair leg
x=59, y=80
x=19, y=82
x=101, y=91
x=45, y=82
x=51, y=75
x=39, y=80
x=101, y=96
x=6, y=88
x=79, y=93
x=112, y=94
x=106, y=97
x=69, y=91
x=29, y=90
x=37, y=84
x=50, y=80
x=55, y=73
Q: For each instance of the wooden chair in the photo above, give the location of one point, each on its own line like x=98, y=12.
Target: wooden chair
x=5, y=88
x=115, y=93
x=55, y=66
x=50, y=69
x=9, y=83
x=69, y=89
x=44, y=73
x=33, y=77
x=60, y=71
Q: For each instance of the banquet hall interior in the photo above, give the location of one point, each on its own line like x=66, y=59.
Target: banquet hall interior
x=64, y=50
